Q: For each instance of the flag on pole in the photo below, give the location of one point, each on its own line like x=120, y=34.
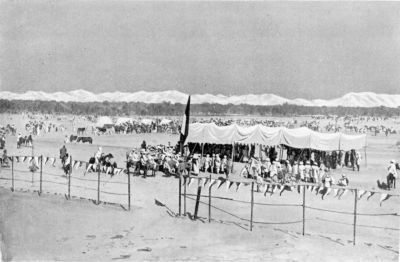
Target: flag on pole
x=185, y=126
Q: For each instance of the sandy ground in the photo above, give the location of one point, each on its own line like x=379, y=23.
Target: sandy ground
x=50, y=227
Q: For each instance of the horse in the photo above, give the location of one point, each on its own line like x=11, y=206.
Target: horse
x=104, y=165
x=73, y=138
x=84, y=139
x=80, y=130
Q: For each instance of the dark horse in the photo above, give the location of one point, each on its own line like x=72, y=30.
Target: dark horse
x=81, y=130
x=104, y=164
x=85, y=139
x=25, y=141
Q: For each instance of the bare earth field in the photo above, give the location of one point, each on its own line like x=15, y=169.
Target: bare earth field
x=49, y=227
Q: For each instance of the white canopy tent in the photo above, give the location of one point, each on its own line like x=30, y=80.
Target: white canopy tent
x=123, y=120
x=103, y=120
x=165, y=121
x=146, y=121
x=259, y=134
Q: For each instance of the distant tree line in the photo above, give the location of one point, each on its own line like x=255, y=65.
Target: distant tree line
x=166, y=108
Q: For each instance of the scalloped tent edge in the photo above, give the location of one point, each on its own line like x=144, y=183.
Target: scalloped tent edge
x=272, y=136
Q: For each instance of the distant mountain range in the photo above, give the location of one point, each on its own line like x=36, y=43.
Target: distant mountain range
x=364, y=99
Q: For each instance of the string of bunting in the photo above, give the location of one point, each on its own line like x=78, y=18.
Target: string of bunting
x=76, y=164
x=272, y=188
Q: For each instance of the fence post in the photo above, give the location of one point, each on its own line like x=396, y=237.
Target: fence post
x=98, y=185
x=129, y=183
x=252, y=204
x=41, y=171
x=69, y=177
x=184, y=196
x=196, y=207
x=209, y=202
x=355, y=216
x=12, y=174
x=304, y=209
x=180, y=192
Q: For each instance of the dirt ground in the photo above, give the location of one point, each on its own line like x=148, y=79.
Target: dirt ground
x=50, y=227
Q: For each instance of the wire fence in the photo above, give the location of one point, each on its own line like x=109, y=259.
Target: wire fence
x=97, y=186
x=302, y=189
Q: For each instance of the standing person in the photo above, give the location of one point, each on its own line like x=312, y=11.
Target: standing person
x=143, y=146
x=19, y=140
x=295, y=170
x=63, y=153
x=195, y=165
x=357, y=161
x=392, y=174
x=98, y=155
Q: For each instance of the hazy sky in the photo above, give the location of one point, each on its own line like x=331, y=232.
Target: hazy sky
x=292, y=49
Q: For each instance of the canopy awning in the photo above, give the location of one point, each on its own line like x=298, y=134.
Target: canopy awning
x=103, y=120
x=259, y=134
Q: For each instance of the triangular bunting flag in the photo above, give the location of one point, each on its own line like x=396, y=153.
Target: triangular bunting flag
x=109, y=169
x=317, y=188
x=298, y=189
x=336, y=192
x=344, y=193
x=384, y=197
x=370, y=194
x=218, y=183
x=222, y=182
x=326, y=192
x=29, y=158
x=80, y=164
x=205, y=180
x=361, y=193
x=36, y=158
x=53, y=161
x=190, y=181
x=311, y=188
x=17, y=158
x=23, y=158
x=212, y=182
x=273, y=187
x=46, y=160
x=228, y=185
x=89, y=167
x=238, y=184
x=285, y=187
x=266, y=187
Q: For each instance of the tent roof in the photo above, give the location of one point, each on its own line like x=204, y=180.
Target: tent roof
x=122, y=120
x=259, y=134
x=104, y=120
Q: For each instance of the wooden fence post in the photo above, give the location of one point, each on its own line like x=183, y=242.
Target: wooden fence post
x=98, y=185
x=184, y=196
x=355, y=216
x=129, y=183
x=41, y=174
x=209, y=202
x=69, y=177
x=304, y=209
x=196, y=207
x=12, y=174
x=180, y=191
x=252, y=204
